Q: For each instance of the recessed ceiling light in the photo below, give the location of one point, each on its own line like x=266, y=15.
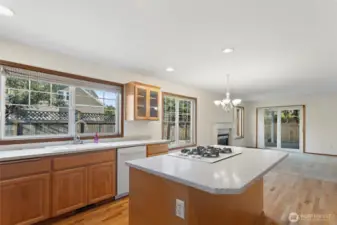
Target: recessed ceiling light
x=4, y=11
x=169, y=69
x=228, y=50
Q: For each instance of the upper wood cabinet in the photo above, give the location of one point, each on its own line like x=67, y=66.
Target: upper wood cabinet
x=142, y=101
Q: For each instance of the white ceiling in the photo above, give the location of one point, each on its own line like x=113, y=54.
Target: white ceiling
x=282, y=46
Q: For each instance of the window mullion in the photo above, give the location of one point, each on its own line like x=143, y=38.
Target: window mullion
x=177, y=122
x=191, y=114
x=29, y=85
x=2, y=106
x=117, y=115
x=72, y=110
x=50, y=94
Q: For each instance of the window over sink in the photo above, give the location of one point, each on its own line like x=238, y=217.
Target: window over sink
x=41, y=105
x=179, y=120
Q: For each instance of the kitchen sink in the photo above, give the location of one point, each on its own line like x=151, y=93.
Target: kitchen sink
x=76, y=146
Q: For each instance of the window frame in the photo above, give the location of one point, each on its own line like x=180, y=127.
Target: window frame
x=194, y=118
x=239, y=124
x=62, y=137
x=118, y=116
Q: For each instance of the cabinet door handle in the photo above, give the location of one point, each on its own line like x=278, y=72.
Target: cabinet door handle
x=20, y=161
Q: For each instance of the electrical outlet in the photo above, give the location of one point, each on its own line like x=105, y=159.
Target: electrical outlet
x=180, y=208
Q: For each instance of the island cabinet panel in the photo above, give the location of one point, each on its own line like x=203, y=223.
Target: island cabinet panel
x=152, y=200
x=25, y=200
x=101, y=182
x=245, y=208
x=69, y=190
x=156, y=149
x=201, y=208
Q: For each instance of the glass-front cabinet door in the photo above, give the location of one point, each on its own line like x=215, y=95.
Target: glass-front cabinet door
x=141, y=107
x=153, y=104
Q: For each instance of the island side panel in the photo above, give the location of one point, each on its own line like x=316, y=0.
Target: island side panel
x=152, y=200
x=244, y=209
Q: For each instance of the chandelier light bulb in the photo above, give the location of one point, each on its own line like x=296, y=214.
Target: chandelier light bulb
x=236, y=102
x=217, y=102
x=227, y=104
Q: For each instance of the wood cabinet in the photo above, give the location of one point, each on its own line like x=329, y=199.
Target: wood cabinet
x=25, y=200
x=82, y=179
x=69, y=190
x=142, y=101
x=34, y=190
x=101, y=182
x=156, y=149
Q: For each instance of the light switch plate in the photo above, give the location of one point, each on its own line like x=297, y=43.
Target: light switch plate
x=180, y=208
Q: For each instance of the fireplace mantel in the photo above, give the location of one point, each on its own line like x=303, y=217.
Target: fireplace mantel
x=221, y=127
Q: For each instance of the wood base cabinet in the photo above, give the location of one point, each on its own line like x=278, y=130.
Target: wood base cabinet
x=69, y=190
x=25, y=200
x=34, y=190
x=101, y=182
x=156, y=149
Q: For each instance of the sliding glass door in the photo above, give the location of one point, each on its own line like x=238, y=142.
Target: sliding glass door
x=281, y=128
x=290, y=129
x=270, y=128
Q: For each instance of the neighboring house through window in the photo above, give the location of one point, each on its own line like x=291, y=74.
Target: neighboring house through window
x=179, y=120
x=44, y=105
x=101, y=103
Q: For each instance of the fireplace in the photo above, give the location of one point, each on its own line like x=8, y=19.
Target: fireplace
x=223, y=137
x=222, y=133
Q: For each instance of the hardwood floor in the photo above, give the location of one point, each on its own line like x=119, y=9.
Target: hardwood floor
x=115, y=213
x=286, y=193
x=283, y=194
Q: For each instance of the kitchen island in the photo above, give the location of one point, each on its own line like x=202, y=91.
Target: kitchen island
x=166, y=190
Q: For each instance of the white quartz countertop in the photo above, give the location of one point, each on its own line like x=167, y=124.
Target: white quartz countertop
x=10, y=155
x=229, y=176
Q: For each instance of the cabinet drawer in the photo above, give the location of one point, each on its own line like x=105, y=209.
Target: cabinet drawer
x=20, y=168
x=83, y=159
x=162, y=153
x=157, y=148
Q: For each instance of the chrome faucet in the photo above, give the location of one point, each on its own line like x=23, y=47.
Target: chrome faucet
x=77, y=137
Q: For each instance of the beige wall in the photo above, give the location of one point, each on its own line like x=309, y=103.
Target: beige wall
x=321, y=122
x=207, y=113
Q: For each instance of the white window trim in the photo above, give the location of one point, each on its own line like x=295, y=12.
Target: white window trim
x=177, y=143
x=71, y=119
x=236, y=120
x=2, y=106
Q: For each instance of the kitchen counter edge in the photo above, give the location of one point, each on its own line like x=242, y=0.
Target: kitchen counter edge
x=16, y=155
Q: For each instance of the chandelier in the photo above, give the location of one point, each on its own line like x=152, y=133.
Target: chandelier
x=227, y=104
